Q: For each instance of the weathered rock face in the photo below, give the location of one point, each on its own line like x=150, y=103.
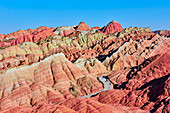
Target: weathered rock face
x=64, y=31
x=163, y=32
x=112, y=27
x=29, y=35
x=47, y=70
x=91, y=65
x=145, y=86
x=50, y=81
x=73, y=105
x=51, y=85
x=82, y=27
x=118, y=52
x=29, y=52
x=133, y=53
x=21, y=33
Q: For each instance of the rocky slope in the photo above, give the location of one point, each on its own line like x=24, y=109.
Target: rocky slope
x=51, y=70
x=30, y=35
x=163, y=32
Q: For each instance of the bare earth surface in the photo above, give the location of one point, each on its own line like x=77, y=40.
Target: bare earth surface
x=78, y=69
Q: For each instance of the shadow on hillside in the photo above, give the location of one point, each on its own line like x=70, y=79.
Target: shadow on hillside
x=156, y=87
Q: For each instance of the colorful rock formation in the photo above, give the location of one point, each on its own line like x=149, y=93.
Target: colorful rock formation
x=64, y=31
x=145, y=86
x=82, y=27
x=163, y=32
x=51, y=70
x=29, y=35
x=112, y=27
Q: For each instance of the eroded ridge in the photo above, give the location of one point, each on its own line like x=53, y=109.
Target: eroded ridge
x=83, y=69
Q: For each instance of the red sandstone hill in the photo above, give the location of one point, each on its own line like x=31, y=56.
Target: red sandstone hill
x=30, y=35
x=82, y=27
x=47, y=70
x=112, y=27
x=163, y=32
x=145, y=86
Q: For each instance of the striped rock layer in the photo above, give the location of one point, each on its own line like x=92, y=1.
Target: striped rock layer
x=112, y=27
x=52, y=80
x=145, y=86
x=105, y=47
x=49, y=70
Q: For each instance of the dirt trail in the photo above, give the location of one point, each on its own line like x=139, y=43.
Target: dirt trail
x=107, y=85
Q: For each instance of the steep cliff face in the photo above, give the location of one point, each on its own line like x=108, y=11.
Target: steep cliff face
x=51, y=70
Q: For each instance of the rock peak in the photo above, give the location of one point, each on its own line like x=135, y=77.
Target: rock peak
x=83, y=26
x=113, y=21
x=82, y=22
x=112, y=27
